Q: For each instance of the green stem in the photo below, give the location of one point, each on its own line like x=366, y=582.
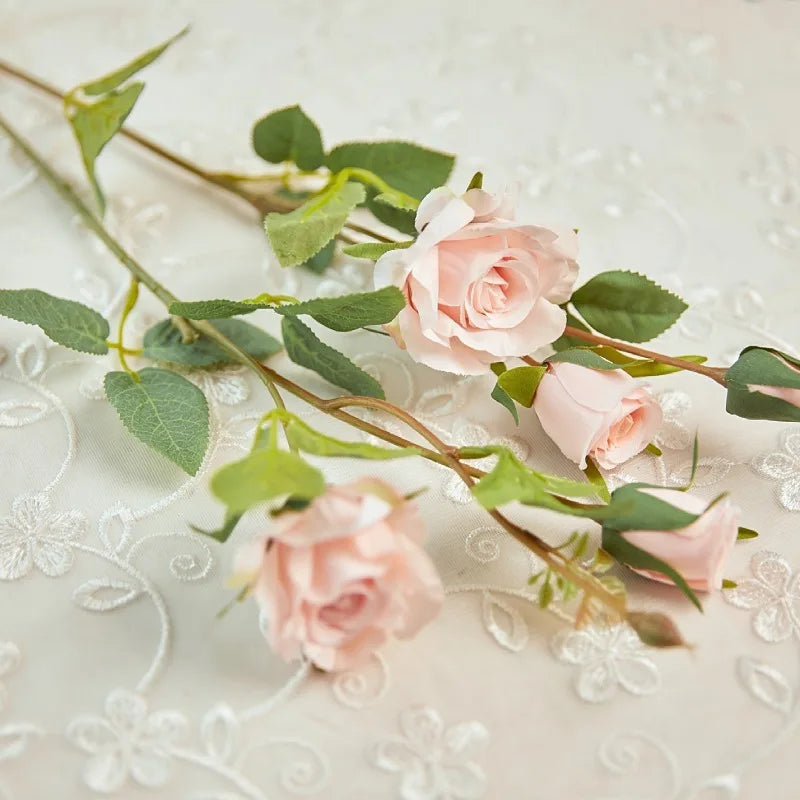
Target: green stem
x=271, y=379
x=130, y=302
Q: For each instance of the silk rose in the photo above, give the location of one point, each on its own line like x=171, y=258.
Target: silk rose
x=604, y=414
x=699, y=550
x=479, y=287
x=336, y=579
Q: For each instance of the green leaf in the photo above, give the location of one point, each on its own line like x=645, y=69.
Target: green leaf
x=220, y=309
x=627, y=305
x=305, y=349
x=643, y=367
x=163, y=410
x=520, y=383
x=351, y=311
x=264, y=475
x=318, y=263
x=119, y=76
x=288, y=134
x=402, y=202
x=399, y=219
x=476, y=182
x=654, y=450
x=632, y=556
x=729, y=584
x=163, y=342
x=297, y=236
x=305, y=438
x=512, y=480
x=545, y=594
x=95, y=125
x=564, y=341
x=633, y=509
x=374, y=250
x=746, y=533
x=501, y=396
x=405, y=166
x=222, y=533
x=595, y=477
x=66, y=322
x=584, y=357
x=762, y=367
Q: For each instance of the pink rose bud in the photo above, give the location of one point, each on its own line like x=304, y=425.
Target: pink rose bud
x=699, y=550
x=479, y=287
x=604, y=414
x=336, y=579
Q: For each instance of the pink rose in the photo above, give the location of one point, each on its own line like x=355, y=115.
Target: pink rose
x=336, y=579
x=479, y=287
x=604, y=414
x=699, y=550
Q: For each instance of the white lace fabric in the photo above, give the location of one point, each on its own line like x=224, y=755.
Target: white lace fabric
x=666, y=134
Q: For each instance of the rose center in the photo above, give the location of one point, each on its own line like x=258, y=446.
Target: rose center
x=489, y=293
x=343, y=609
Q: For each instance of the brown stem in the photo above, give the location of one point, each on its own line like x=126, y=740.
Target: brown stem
x=271, y=379
x=715, y=373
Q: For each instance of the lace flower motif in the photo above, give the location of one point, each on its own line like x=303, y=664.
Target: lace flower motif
x=435, y=762
x=608, y=657
x=783, y=466
x=774, y=594
x=34, y=535
x=127, y=741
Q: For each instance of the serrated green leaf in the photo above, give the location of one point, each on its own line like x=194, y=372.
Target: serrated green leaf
x=163, y=342
x=305, y=438
x=351, y=311
x=564, y=341
x=374, y=250
x=520, y=383
x=66, y=322
x=305, y=349
x=288, y=134
x=595, y=477
x=220, y=309
x=95, y=125
x=401, y=220
x=297, y=236
x=632, y=556
x=746, y=533
x=318, y=263
x=119, y=76
x=264, y=475
x=401, y=202
x=501, y=396
x=627, y=305
x=405, y=166
x=163, y=410
x=766, y=368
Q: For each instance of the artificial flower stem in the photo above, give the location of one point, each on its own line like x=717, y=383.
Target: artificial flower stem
x=271, y=379
x=715, y=373
x=130, y=301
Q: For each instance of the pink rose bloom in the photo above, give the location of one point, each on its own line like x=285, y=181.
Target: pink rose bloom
x=785, y=393
x=604, y=414
x=699, y=550
x=336, y=579
x=479, y=287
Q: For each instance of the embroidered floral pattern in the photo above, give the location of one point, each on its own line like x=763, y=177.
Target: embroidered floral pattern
x=35, y=536
x=435, y=762
x=783, y=466
x=607, y=657
x=773, y=593
x=127, y=741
